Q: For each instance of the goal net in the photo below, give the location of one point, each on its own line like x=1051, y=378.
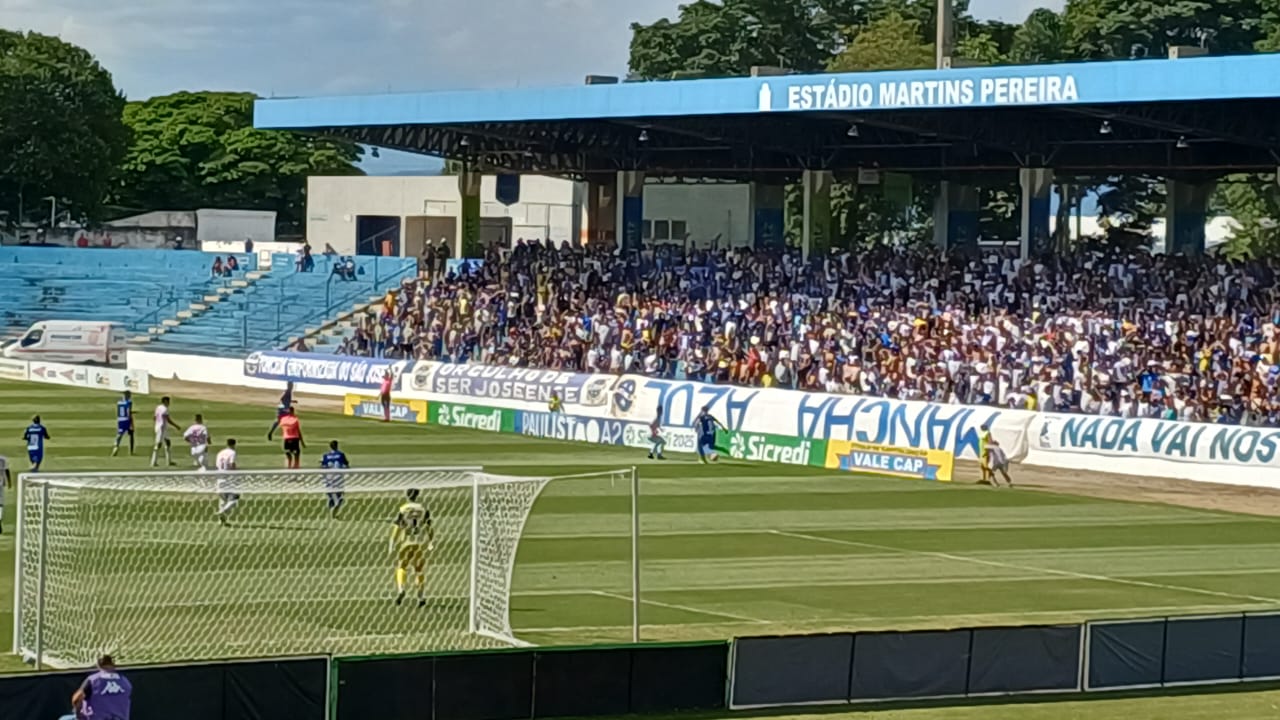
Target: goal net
x=141, y=565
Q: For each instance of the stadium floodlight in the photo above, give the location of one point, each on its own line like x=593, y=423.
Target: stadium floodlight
x=137, y=564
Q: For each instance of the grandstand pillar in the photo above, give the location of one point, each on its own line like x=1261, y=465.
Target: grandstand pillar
x=630, y=209
x=767, y=204
x=816, y=238
x=1186, y=207
x=1037, y=189
x=469, y=188
x=955, y=216
x=602, y=213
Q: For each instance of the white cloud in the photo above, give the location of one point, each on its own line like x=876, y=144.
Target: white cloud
x=301, y=47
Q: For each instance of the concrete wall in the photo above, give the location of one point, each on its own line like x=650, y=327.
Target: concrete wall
x=549, y=208
x=708, y=212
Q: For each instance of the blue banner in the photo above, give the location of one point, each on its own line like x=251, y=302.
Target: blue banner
x=558, y=426
x=315, y=369
x=490, y=382
x=893, y=422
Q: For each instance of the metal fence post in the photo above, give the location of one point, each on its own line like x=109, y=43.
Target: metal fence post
x=635, y=555
x=44, y=572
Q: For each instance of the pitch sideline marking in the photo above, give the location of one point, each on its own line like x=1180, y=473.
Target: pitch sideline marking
x=685, y=608
x=1030, y=568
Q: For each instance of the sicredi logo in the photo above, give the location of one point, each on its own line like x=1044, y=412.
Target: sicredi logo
x=464, y=418
x=758, y=448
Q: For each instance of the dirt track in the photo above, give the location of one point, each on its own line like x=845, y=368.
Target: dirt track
x=1209, y=496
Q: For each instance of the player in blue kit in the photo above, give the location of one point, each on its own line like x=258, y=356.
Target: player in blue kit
x=36, y=435
x=124, y=422
x=335, y=459
x=286, y=402
x=705, y=426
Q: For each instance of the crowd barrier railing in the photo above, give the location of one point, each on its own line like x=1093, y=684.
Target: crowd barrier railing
x=1149, y=655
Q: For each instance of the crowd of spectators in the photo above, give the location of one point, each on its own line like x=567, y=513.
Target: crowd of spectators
x=1107, y=332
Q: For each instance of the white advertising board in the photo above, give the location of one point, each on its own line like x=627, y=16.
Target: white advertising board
x=89, y=376
x=13, y=369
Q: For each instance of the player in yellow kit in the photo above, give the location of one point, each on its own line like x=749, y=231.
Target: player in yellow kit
x=412, y=537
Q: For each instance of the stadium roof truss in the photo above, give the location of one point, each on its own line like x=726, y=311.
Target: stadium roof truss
x=1188, y=117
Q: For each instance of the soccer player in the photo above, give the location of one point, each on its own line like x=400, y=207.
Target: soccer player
x=286, y=402
x=36, y=434
x=197, y=436
x=412, y=537
x=384, y=395
x=335, y=459
x=655, y=437
x=291, y=429
x=163, y=422
x=992, y=459
x=124, y=422
x=6, y=481
x=225, y=485
x=705, y=425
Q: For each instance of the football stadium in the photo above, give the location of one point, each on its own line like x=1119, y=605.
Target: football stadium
x=908, y=360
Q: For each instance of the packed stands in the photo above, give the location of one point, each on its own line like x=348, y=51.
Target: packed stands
x=1100, y=331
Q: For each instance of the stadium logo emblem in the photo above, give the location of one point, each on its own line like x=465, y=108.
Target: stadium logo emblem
x=252, y=363
x=738, y=447
x=624, y=396
x=421, y=377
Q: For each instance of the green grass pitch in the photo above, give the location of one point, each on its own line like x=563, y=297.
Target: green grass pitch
x=741, y=549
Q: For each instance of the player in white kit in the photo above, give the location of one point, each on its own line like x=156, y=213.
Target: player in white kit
x=163, y=423
x=225, y=485
x=6, y=481
x=197, y=436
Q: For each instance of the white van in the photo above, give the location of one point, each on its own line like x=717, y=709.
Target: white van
x=71, y=341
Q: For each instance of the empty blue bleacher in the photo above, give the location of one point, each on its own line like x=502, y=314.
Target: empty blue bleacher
x=138, y=288
x=282, y=304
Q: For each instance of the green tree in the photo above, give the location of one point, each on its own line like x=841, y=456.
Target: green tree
x=1107, y=29
x=711, y=39
x=61, y=134
x=193, y=150
x=1042, y=38
x=892, y=42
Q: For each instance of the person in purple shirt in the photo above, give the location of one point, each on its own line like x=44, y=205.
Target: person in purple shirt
x=104, y=695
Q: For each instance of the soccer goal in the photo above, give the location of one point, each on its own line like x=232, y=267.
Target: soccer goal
x=139, y=563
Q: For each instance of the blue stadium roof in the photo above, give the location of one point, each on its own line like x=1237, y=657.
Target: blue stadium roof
x=995, y=117
x=1221, y=78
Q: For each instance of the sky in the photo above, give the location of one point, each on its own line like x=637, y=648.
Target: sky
x=314, y=47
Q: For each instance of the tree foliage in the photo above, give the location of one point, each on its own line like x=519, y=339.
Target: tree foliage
x=891, y=42
x=1105, y=29
x=61, y=133
x=193, y=150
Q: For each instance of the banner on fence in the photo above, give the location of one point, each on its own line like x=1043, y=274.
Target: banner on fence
x=473, y=417
x=89, y=376
x=13, y=369
x=888, y=460
x=408, y=411
x=773, y=448
x=559, y=426
x=822, y=416
x=320, y=369
x=496, y=383
x=1159, y=439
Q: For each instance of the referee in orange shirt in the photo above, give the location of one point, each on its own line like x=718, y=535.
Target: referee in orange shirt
x=291, y=430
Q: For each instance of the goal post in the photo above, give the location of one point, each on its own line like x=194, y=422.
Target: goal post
x=138, y=564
